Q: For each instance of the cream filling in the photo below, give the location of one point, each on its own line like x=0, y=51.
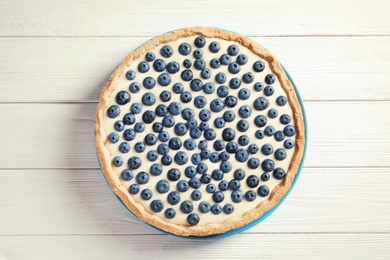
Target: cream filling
x=239, y=208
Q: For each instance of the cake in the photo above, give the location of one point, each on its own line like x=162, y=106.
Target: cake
x=199, y=131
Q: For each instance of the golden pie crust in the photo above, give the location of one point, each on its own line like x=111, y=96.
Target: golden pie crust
x=211, y=228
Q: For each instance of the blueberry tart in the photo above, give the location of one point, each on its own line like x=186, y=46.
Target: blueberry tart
x=199, y=131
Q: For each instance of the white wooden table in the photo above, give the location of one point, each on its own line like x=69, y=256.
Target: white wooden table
x=55, y=56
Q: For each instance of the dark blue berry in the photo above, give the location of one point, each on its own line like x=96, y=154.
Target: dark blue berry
x=195, y=182
x=228, y=134
x=187, y=75
x=248, y=77
x=237, y=196
x=181, y=158
x=164, y=79
x=149, y=83
x=136, y=108
x=129, y=134
x=234, y=67
x=156, y=169
x=166, y=160
x=268, y=91
x=289, y=130
x=272, y=113
x=159, y=65
x=210, y=188
x=148, y=116
x=192, y=123
x=152, y=155
x=219, y=122
x=163, y=136
x=206, y=178
x=139, y=147
x=175, y=108
x=242, y=59
x=288, y=144
x=279, y=173
x=193, y=219
x=122, y=97
x=134, y=188
x=253, y=148
x=217, y=105
x=196, y=158
x=187, y=113
x=265, y=176
x=216, y=209
x=127, y=175
x=202, y=168
x=244, y=94
x=258, y=66
x=204, y=115
x=165, y=96
x=182, y=186
x=129, y=119
x=168, y=121
x=150, y=139
x=233, y=50
x=119, y=126
x=203, y=126
x=195, y=133
x=229, y=116
x=215, y=63
x=267, y=149
x=175, y=143
x=214, y=47
x=245, y=111
x=224, y=156
x=130, y=75
x=166, y=51
x=190, y=171
x=258, y=86
x=199, y=64
x=250, y=195
x=196, y=85
x=196, y=195
x=219, y=145
x=259, y=134
x=228, y=208
x=202, y=144
x=135, y=87
x=208, y=88
x=231, y=147
x=252, y=181
x=243, y=140
x=263, y=191
x=143, y=67
x=173, y=174
x=178, y=88
x=170, y=213
x=223, y=185
x=150, y=56
x=187, y=63
x=225, y=166
x=198, y=54
x=220, y=78
x=180, y=129
x=222, y=91
x=253, y=163
x=242, y=125
x=270, y=79
x=269, y=130
x=260, y=120
x=114, y=137
x=218, y=196
x=113, y=111
x=124, y=147
x=204, y=207
x=242, y=155
x=161, y=110
x=281, y=100
x=209, y=134
x=235, y=83
x=234, y=184
x=260, y=103
x=117, y=161
x=230, y=101
x=280, y=154
x=205, y=154
x=146, y=194
x=217, y=175
x=185, y=97
x=285, y=119
x=279, y=136
x=200, y=41
x=268, y=165
x=186, y=207
x=185, y=49
x=142, y=178
x=190, y=144
x=225, y=59
x=239, y=174
x=157, y=127
x=173, y=198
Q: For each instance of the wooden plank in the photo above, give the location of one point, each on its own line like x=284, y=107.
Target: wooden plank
x=75, y=69
x=77, y=202
x=148, y=18
x=61, y=135
x=255, y=246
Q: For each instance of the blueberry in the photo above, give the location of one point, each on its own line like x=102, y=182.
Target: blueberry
x=196, y=85
x=248, y=77
x=252, y=181
x=253, y=163
x=129, y=134
x=139, y=147
x=281, y=100
x=180, y=129
x=182, y=186
x=199, y=64
x=185, y=49
x=224, y=156
x=258, y=66
x=163, y=136
x=242, y=125
x=195, y=133
x=150, y=139
x=237, y=196
x=214, y=47
x=225, y=166
x=231, y=101
x=202, y=144
x=187, y=63
x=187, y=75
x=150, y=56
x=152, y=155
x=279, y=173
x=122, y=97
x=186, y=207
x=130, y=75
x=187, y=113
x=208, y=88
x=196, y=159
x=158, y=205
x=204, y=207
x=203, y=126
x=181, y=158
x=280, y=154
x=175, y=108
x=218, y=196
x=272, y=113
x=205, y=154
x=270, y=79
x=117, y=161
x=170, y=213
x=220, y=78
x=113, y=111
x=196, y=194
x=228, y=134
x=134, y=188
x=198, y=54
x=265, y=176
x=210, y=188
x=156, y=169
x=190, y=171
x=228, y=208
x=209, y=134
x=127, y=175
x=159, y=65
x=258, y=86
x=148, y=116
x=234, y=68
x=157, y=127
x=166, y=51
x=114, y=137
x=285, y=119
x=223, y=185
x=219, y=122
x=204, y=115
x=168, y=121
x=142, y=178
x=119, y=126
x=195, y=182
x=233, y=50
x=165, y=96
x=216, y=209
x=202, y=168
x=244, y=94
x=235, y=83
x=173, y=174
x=260, y=103
x=190, y=144
x=143, y=67
x=253, y=148
x=206, y=178
x=259, y=134
x=178, y=88
x=215, y=63
x=193, y=219
x=239, y=174
x=185, y=97
x=263, y=191
x=192, y=123
x=279, y=136
x=124, y=147
x=149, y=82
x=269, y=130
x=200, y=102
x=242, y=155
x=219, y=145
x=245, y=111
x=175, y=143
x=242, y=59
x=268, y=165
x=260, y=120
x=243, y=140
x=268, y=90
x=217, y=175
x=234, y=184
x=173, y=198
x=129, y=119
x=250, y=195
x=136, y=108
x=222, y=91
x=289, y=130
x=225, y=59
x=231, y=147
x=288, y=144
x=161, y=110
x=200, y=41
x=164, y=79
x=217, y=105
x=135, y=87
x=146, y=194
x=229, y=116
x=148, y=99
x=267, y=149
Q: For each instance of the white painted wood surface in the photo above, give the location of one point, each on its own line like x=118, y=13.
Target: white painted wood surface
x=56, y=55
